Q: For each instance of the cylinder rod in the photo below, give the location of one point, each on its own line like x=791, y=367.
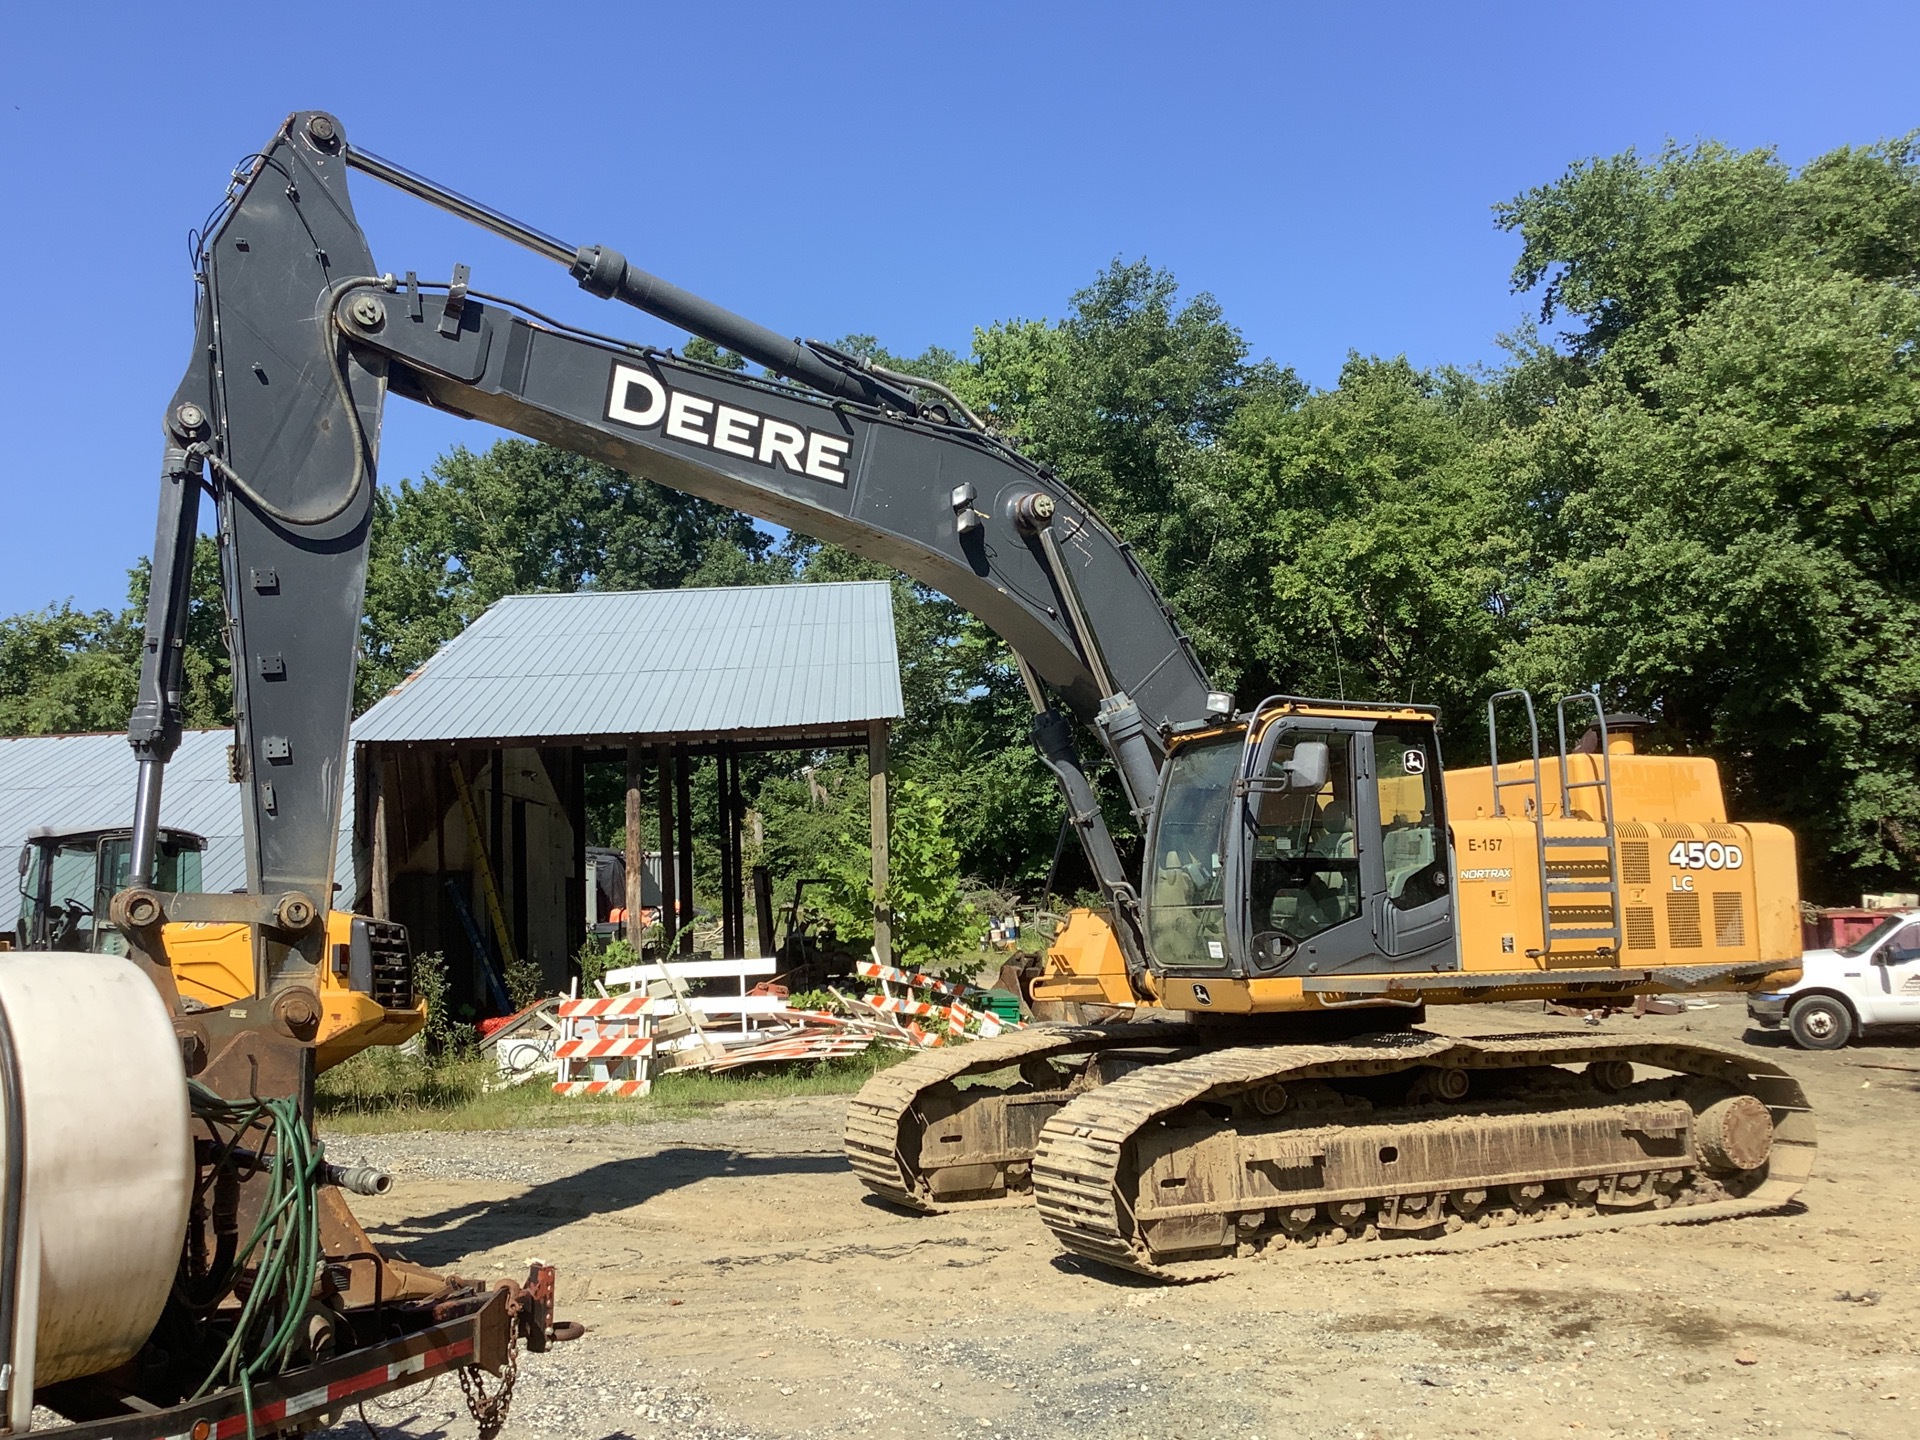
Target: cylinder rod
x=484, y=216
x=146, y=820
x=13, y=1203
x=605, y=272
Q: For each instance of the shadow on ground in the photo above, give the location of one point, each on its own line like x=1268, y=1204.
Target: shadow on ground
x=448, y=1235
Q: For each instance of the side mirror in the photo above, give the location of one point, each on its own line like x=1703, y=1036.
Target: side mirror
x=26, y=858
x=1309, y=767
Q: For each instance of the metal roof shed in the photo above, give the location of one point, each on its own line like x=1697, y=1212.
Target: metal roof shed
x=474, y=763
x=792, y=663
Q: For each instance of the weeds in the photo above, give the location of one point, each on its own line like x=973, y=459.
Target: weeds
x=380, y=1091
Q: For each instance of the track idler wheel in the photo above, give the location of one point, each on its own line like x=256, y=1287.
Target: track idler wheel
x=1734, y=1134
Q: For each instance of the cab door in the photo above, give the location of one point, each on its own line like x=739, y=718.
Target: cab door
x=1893, y=984
x=1300, y=889
x=1413, y=913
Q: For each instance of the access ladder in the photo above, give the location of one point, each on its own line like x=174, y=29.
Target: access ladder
x=1559, y=933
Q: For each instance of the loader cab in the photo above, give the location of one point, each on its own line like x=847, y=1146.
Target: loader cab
x=69, y=877
x=1305, y=840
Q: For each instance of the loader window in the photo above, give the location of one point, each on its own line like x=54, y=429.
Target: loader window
x=176, y=867
x=66, y=921
x=1306, y=866
x=1186, y=902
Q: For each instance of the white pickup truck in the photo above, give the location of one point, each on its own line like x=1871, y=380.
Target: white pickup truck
x=1874, y=981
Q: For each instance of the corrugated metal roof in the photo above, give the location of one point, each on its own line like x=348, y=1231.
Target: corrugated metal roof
x=85, y=782
x=655, y=662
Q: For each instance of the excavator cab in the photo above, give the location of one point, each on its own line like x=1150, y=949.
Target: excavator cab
x=68, y=878
x=1307, y=840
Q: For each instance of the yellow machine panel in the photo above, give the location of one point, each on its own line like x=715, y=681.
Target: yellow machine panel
x=1693, y=889
x=214, y=965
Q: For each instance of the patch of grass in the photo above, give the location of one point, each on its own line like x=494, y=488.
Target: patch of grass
x=383, y=1091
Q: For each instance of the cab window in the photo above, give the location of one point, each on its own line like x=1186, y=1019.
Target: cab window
x=1186, y=908
x=1405, y=774
x=1305, y=877
x=1903, y=947
x=68, y=920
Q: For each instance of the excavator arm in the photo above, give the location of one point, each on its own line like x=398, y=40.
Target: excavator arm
x=299, y=339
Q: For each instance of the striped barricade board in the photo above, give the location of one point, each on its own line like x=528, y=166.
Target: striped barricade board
x=606, y=1045
x=910, y=993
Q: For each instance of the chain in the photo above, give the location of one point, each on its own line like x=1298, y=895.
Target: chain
x=490, y=1411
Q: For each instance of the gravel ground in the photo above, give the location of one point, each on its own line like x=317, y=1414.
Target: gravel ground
x=736, y=1283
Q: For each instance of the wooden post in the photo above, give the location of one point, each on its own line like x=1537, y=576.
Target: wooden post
x=877, y=826
x=636, y=840
x=722, y=798
x=737, y=889
x=576, y=773
x=763, y=907
x=669, y=890
x=380, y=882
x=683, y=803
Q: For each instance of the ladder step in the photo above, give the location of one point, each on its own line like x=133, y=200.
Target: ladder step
x=1580, y=887
x=1576, y=840
x=1556, y=933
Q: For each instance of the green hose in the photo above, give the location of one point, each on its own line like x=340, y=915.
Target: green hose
x=283, y=1252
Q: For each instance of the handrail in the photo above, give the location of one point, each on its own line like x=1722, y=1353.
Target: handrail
x=1604, y=784
x=1539, y=800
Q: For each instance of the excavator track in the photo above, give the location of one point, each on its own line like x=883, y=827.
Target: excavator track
x=985, y=1136
x=1412, y=1142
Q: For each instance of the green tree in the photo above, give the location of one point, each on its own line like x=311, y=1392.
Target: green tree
x=1636, y=249
x=932, y=922
x=1130, y=399
x=1711, y=491
x=1363, y=511
x=67, y=670
x=525, y=518
x=64, y=670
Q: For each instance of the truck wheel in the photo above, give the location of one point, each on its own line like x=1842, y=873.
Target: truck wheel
x=1821, y=1022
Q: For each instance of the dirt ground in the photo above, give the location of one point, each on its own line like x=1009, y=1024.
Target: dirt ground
x=736, y=1282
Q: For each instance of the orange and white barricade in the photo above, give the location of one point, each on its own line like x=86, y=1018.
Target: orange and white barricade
x=931, y=997
x=605, y=1045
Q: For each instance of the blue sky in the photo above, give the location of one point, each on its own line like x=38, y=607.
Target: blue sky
x=908, y=171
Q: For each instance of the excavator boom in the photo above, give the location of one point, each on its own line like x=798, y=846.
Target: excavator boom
x=299, y=339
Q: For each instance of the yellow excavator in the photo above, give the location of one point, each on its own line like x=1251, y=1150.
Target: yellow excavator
x=1290, y=1101
x=1312, y=878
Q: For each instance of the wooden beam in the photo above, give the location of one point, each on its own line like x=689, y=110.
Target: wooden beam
x=683, y=804
x=669, y=885
x=720, y=807
x=763, y=907
x=736, y=814
x=877, y=828
x=736, y=855
x=380, y=882
x=636, y=840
